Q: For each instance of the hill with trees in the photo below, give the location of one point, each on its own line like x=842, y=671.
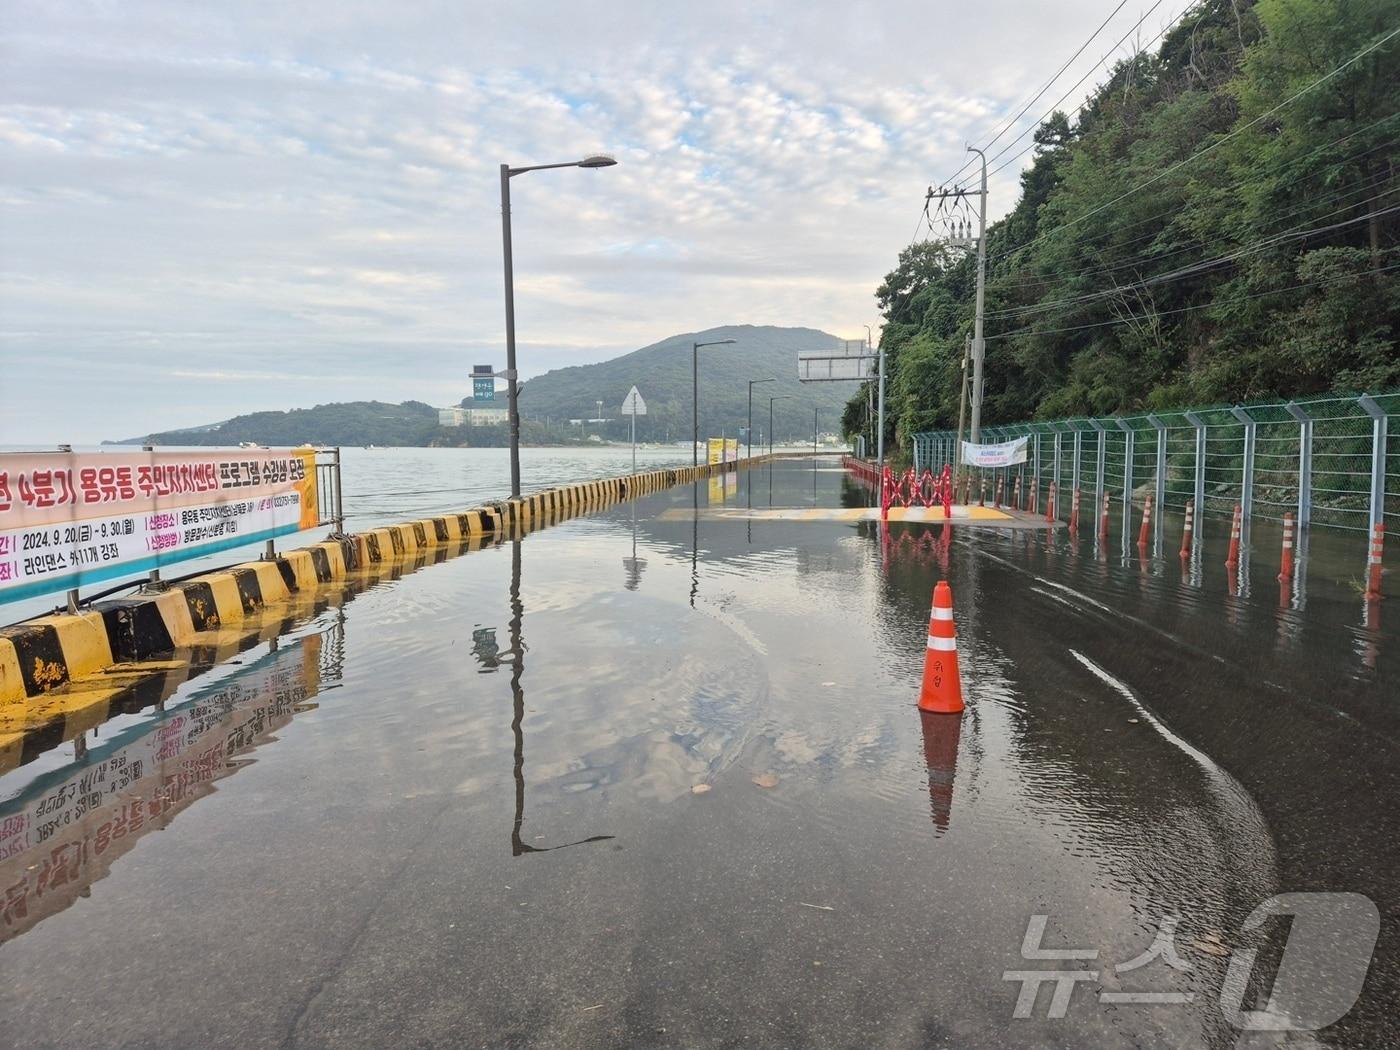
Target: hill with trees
x=1219, y=222
x=547, y=403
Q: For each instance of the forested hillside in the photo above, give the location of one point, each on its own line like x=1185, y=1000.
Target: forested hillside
x=1219, y=222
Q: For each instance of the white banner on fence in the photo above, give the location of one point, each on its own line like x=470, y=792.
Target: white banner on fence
x=1005, y=454
x=67, y=520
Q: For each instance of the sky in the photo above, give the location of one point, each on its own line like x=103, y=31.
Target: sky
x=209, y=209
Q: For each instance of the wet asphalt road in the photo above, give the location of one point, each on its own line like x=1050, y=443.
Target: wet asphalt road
x=458, y=808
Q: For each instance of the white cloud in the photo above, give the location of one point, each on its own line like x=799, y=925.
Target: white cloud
x=303, y=191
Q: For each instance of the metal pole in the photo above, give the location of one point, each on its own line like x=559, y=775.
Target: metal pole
x=1159, y=498
x=514, y=407
x=815, y=410
x=881, y=442
x=1100, y=464
x=339, y=497
x=695, y=404
x=1127, y=477
x=1078, y=453
x=1200, y=425
x=1056, y=479
x=1379, y=437
x=1305, y=458
x=634, y=435
x=1247, y=474
x=979, y=349
x=962, y=402
x=770, y=428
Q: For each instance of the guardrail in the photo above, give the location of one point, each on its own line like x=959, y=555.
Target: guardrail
x=1328, y=461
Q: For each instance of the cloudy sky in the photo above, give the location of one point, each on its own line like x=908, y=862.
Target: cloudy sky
x=207, y=209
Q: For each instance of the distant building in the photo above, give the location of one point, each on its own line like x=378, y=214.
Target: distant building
x=471, y=417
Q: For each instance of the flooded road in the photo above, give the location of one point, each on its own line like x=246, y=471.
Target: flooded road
x=648, y=778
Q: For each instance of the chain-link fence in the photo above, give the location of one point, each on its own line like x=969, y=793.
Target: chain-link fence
x=1326, y=460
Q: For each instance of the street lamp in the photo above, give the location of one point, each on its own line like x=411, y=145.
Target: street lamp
x=695, y=396
x=508, y=173
x=750, y=431
x=780, y=397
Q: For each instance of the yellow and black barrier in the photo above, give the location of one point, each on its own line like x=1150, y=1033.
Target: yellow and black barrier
x=96, y=652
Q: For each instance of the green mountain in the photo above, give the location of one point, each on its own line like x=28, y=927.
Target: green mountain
x=662, y=374
x=547, y=403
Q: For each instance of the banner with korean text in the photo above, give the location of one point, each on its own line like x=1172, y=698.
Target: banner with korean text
x=68, y=520
x=1004, y=454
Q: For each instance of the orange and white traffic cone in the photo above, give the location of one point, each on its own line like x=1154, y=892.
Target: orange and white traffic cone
x=1050, y=504
x=942, y=686
x=1233, y=558
x=1285, y=571
x=1373, y=563
x=1146, y=521
x=1188, y=529
x=1103, y=520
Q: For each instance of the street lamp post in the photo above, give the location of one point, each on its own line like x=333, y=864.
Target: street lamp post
x=695, y=396
x=512, y=386
x=815, y=410
x=750, y=430
x=780, y=397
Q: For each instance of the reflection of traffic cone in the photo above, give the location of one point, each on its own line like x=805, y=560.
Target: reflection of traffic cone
x=1187, y=530
x=1233, y=558
x=1103, y=520
x=1285, y=571
x=941, y=733
x=1373, y=563
x=942, y=686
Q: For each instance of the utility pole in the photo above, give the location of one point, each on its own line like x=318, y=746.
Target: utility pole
x=979, y=343
x=962, y=405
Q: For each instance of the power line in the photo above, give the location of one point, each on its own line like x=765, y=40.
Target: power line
x=1081, y=80
x=1201, y=306
x=1218, y=142
x=1058, y=73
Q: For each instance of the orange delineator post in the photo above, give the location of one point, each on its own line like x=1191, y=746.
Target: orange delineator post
x=942, y=686
x=1285, y=571
x=1074, y=512
x=1103, y=521
x=1016, y=495
x=1146, y=521
x=1373, y=563
x=1034, y=506
x=1233, y=558
x=1001, y=491
x=1050, y=504
x=1188, y=529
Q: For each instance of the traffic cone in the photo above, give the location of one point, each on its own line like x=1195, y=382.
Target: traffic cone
x=1373, y=563
x=1074, y=512
x=1188, y=529
x=942, y=686
x=1001, y=491
x=1146, y=521
x=1285, y=572
x=1233, y=558
x=1016, y=494
x=1050, y=504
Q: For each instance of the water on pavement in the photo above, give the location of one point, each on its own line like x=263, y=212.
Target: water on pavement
x=652, y=779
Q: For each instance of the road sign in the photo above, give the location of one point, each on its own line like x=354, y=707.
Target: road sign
x=633, y=405
x=483, y=388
